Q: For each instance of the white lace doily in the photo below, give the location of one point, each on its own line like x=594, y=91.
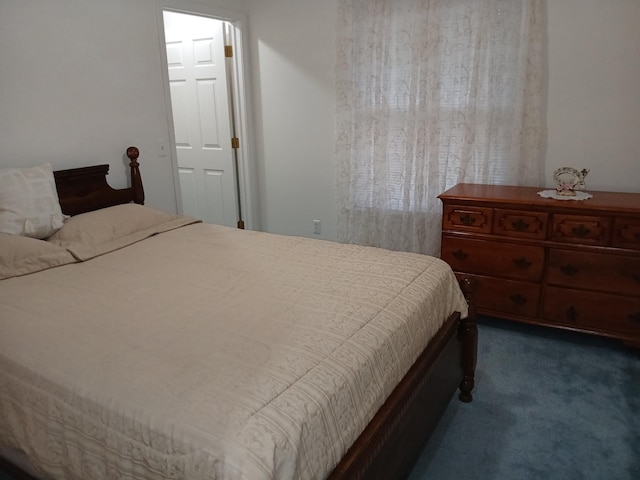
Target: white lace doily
x=553, y=194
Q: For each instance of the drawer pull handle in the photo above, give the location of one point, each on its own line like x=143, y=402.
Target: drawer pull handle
x=522, y=263
x=518, y=299
x=520, y=225
x=569, y=269
x=581, y=231
x=460, y=255
x=467, y=220
x=635, y=317
x=572, y=314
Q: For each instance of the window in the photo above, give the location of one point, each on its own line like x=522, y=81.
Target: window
x=431, y=94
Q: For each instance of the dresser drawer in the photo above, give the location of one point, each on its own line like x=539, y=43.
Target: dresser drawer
x=598, y=311
x=581, y=229
x=506, y=260
x=626, y=233
x=520, y=224
x=496, y=296
x=594, y=271
x=468, y=219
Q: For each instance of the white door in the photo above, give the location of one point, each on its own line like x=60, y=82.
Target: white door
x=201, y=117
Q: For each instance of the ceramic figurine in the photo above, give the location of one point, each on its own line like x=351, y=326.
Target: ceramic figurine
x=568, y=180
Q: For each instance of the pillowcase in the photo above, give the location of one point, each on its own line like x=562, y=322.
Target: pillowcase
x=22, y=255
x=29, y=202
x=95, y=233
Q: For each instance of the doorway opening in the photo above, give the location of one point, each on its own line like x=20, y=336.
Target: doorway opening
x=201, y=79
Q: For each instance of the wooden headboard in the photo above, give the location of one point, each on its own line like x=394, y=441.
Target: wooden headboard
x=85, y=189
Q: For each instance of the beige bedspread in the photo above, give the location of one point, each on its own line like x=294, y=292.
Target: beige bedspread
x=208, y=352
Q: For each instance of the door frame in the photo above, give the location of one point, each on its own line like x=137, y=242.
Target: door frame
x=239, y=88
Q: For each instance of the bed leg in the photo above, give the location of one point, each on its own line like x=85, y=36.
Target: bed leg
x=468, y=336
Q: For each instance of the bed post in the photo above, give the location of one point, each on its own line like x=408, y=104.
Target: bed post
x=136, y=180
x=468, y=336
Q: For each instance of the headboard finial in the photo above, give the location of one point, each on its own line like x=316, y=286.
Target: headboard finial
x=136, y=180
x=133, y=153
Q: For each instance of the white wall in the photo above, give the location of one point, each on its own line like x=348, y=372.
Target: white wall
x=82, y=81
x=594, y=91
x=293, y=61
x=593, y=112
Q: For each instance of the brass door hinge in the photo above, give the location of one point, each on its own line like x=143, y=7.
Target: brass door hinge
x=235, y=142
x=228, y=51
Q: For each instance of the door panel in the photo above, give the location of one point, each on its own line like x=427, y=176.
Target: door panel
x=180, y=114
x=188, y=189
x=214, y=185
x=201, y=116
x=209, y=124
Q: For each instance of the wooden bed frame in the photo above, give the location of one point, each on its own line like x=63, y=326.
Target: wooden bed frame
x=391, y=443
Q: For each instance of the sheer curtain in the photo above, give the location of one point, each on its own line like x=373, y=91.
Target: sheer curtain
x=431, y=93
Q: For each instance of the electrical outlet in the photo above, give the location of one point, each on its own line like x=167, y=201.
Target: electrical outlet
x=316, y=227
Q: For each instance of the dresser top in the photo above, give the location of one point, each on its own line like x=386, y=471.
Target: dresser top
x=515, y=195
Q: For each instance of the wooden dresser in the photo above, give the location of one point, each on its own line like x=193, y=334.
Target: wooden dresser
x=562, y=263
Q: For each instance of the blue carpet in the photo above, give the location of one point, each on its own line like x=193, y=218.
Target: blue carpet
x=547, y=405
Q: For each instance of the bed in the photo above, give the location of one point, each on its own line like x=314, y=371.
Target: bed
x=139, y=344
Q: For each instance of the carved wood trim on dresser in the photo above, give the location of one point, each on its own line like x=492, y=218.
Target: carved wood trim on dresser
x=571, y=264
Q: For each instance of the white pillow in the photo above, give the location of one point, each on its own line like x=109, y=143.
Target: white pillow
x=102, y=231
x=22, y=255
x=29, y=204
